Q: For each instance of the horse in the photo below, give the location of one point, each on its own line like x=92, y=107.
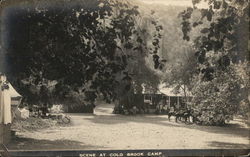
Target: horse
x=179, y=115
x=186, y=115
x=169, y=113
x=195, y=115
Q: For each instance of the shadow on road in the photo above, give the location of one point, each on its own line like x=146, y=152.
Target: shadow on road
x=21, y=143
x=228, y=145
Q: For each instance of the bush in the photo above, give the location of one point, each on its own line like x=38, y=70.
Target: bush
x=218, y=99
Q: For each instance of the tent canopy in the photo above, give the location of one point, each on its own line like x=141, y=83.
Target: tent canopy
x=13, y=92
x=15, y=96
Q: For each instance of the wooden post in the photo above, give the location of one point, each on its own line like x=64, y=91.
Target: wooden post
x=178, y=102
x=169, y=101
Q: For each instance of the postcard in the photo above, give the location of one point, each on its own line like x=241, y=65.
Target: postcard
x=99, y=78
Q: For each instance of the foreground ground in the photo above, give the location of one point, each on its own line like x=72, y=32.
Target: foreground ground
x=104, y=130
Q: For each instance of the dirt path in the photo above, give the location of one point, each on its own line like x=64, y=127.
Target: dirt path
x=104, y=130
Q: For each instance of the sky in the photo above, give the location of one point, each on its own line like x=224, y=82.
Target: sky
x=172, y=2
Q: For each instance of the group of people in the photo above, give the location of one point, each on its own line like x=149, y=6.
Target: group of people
x=181, y=114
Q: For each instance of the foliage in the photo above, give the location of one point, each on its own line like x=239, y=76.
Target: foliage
x=221, y=51
x=228, y=21
x=140, y=64
x=219, y=98
x=180, y=74
x=83, y=47
x=180, y=63
x=243, y=72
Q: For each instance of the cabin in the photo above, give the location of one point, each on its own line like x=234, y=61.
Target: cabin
x=176, y=100
x=169, y=97
x=148, y=101
x=151, y=100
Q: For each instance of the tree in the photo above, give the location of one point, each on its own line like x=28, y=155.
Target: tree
x=179, y=74
x=227, y=20
x=180, y=66
x=83, y=47
x=218, y=87
x=140, y=73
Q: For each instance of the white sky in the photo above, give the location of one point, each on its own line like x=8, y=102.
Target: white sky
x=173, y=2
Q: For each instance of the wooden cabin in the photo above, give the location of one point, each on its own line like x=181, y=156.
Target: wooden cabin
x=150, y=101
x=171, y=99
x=176, y=100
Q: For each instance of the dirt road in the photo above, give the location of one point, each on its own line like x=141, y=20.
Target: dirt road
x=104, y=130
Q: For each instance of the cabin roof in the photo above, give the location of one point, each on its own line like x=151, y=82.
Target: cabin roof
x=171, y=92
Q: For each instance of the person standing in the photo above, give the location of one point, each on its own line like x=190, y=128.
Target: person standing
x=5, y=101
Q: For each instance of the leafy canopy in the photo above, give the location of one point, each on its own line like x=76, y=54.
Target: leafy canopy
x=84, y=47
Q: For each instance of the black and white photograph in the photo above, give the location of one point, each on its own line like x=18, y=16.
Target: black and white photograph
x=124, y=75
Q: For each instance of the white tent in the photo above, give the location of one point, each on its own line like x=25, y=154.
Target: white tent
x=15, y=96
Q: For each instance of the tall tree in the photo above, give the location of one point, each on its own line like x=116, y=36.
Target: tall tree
x=83, y=47
x=179, y=74
x=222, y=46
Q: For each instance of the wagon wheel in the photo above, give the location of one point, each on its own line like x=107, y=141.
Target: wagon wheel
x=66, y=119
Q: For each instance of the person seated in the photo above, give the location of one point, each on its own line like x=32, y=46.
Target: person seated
x=164, y=109
x=171, y=109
